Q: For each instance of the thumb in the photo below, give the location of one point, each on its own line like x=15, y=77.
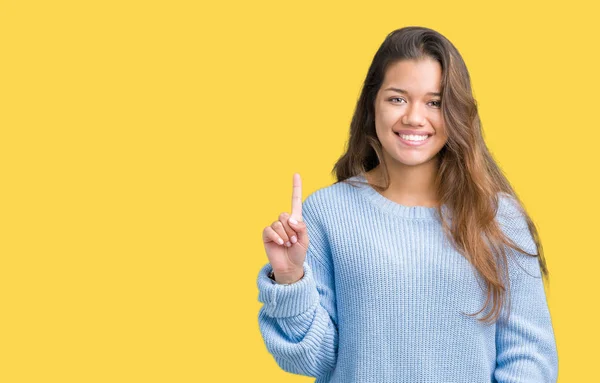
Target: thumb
x=300, y=229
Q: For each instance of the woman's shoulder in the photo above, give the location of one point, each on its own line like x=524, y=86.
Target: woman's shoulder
x=512, y=218
x=332, y=199
x=510, y=212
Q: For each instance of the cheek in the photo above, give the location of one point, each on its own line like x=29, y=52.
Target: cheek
x=386, y=119
x=439, y=125
x=443, y=138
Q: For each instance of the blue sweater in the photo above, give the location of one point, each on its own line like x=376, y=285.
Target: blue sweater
x=382, y=295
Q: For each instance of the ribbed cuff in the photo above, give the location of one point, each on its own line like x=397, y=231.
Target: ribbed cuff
x=283, y=301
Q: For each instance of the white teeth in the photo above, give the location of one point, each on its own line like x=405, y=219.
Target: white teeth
x=413, y=137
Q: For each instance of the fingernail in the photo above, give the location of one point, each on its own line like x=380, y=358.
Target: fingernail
x=293, y=239
x=288, y=244
x=280, y=241
x=293, y=221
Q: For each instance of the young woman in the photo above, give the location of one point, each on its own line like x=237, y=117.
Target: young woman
x=420, y=234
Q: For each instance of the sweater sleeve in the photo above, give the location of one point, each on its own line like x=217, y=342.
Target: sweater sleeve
x=298, y=322
x=525, y=343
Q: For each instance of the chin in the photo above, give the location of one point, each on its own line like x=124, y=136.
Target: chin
x=412, y=159
x=414, y=162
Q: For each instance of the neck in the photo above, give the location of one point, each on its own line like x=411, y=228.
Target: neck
x=409, y=185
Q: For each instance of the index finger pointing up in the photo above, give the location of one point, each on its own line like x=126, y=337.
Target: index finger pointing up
x=297, y=197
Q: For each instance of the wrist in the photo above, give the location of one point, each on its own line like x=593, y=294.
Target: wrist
x=286, y=279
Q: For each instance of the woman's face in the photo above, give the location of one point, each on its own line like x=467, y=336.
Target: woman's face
x=410, y=108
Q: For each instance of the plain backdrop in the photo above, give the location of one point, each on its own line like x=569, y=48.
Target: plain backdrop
x=146, y=144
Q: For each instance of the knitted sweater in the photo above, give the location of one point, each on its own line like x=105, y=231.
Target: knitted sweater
x=382, y=295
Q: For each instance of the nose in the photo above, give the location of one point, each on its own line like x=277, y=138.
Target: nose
x=413, y=116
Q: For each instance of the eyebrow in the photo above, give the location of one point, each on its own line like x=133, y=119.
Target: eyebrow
x=405, y=92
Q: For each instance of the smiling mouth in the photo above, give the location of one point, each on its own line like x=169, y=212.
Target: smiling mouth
x=414, y=141
x=426, y=136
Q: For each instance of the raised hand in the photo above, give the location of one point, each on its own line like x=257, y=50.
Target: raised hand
x=286, y=242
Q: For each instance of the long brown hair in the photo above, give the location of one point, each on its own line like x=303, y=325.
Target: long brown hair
x=468, y=180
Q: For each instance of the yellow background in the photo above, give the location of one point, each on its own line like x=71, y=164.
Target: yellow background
x=146, y=144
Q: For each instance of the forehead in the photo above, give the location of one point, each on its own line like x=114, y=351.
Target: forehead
x=419, y=76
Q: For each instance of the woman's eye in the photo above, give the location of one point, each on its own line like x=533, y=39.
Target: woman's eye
x=437, y=103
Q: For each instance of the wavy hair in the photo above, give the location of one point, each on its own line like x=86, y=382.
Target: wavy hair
x=468, y=180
